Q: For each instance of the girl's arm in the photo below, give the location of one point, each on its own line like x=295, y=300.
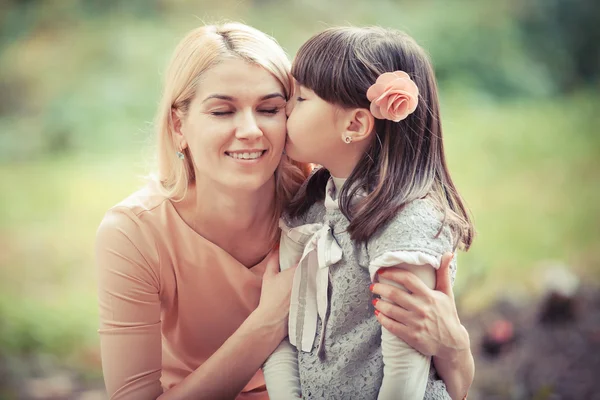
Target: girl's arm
x=405, y=370
x=281, y=373
x=428, y=321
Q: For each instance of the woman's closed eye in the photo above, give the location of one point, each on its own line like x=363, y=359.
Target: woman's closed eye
x=266, y=110
x=221, y=113
x=272, y=111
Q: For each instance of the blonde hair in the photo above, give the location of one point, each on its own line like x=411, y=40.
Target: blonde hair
x=200, y=50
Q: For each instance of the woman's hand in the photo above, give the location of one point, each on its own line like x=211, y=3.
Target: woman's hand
x=426, y=319
x=274, y=305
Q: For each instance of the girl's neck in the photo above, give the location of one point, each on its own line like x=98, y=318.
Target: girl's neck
x=338, y=182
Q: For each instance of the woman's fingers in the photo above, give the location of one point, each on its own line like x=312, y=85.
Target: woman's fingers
x=405, y=278
x=443, y=281
x=272, y=267
x=395, y=295
x=393, y=312
x=397, y=329
x=413, y=336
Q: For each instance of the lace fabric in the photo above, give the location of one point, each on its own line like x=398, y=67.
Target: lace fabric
x=350, y=363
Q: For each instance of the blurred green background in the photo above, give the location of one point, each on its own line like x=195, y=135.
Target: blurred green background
x=80, y=80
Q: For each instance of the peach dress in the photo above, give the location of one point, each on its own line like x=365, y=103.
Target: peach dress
x=168, y=298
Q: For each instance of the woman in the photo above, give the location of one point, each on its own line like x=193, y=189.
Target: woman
x=191, y=300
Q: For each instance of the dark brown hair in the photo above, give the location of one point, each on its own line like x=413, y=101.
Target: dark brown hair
x=405, y=160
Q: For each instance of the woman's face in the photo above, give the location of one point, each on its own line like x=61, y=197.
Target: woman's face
x=236, y=125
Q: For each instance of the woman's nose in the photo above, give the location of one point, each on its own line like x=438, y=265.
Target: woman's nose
x=248, y=127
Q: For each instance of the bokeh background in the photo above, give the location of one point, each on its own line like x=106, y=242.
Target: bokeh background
x=79, y=84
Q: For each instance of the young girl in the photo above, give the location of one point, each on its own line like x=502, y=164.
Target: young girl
x=366, y=109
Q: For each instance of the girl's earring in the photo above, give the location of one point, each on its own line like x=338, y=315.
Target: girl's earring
x=180, y=155
x=348, y=139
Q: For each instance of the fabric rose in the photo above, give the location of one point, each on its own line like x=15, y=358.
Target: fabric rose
x=393, y=96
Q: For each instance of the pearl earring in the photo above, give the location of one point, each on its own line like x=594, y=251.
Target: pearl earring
x=348, y=139
x=180, y=155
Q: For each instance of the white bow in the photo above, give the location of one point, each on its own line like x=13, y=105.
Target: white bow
x=311, y=279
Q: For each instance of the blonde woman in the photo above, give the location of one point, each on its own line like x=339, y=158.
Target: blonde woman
x=190, y=294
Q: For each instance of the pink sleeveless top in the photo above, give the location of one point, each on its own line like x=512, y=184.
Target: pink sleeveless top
x=159, y=283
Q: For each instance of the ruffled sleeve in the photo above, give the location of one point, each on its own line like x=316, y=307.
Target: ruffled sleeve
x=416, y=236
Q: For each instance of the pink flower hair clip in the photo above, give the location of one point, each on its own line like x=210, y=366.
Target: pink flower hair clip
x=394, y=96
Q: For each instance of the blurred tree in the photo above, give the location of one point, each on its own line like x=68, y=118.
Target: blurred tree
x=564, y=35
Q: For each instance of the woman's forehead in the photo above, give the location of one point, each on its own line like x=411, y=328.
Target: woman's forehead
x=238, y=79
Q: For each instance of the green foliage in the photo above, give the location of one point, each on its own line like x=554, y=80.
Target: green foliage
x=564, y=36
x=84, y=76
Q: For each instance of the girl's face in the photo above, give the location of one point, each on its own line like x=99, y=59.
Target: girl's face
x=314, y=131
x=235, y=126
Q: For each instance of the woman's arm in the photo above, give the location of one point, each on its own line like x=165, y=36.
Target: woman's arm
x=129, y=310
x=130, y=324
x=228, y=370
x=428, y=321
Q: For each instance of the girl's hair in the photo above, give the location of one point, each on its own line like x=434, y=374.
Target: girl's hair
x=200, y=50
x=405, y=161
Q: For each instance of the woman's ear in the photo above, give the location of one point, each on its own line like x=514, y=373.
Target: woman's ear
x=176, y=117
x=359, y=124
x=176, y=120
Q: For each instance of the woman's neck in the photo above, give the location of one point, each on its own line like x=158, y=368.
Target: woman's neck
x=232, y=219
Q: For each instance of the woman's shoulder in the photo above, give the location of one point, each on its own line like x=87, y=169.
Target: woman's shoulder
x=145, y=200
x=126, y=244
x=419, y=226
x=132, y=216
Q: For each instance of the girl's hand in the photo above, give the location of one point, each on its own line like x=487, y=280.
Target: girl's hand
x=425, y=319
x=274, y=305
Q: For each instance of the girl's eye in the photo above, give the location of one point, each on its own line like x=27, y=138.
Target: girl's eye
x=220, y=113
x=300, y=98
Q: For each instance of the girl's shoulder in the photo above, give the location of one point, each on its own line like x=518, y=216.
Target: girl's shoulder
x=315, y=213
x=420, y=226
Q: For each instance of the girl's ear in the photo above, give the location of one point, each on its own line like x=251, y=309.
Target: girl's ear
x=359, y=124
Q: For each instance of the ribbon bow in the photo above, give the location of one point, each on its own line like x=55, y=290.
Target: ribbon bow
x=311, y=280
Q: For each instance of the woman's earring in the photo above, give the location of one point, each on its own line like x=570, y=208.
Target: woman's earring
x=348, y=139
x=180, y=155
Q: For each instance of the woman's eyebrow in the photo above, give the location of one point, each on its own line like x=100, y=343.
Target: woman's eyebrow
x=231, y=98
x=218, y=96
x=272, y=96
